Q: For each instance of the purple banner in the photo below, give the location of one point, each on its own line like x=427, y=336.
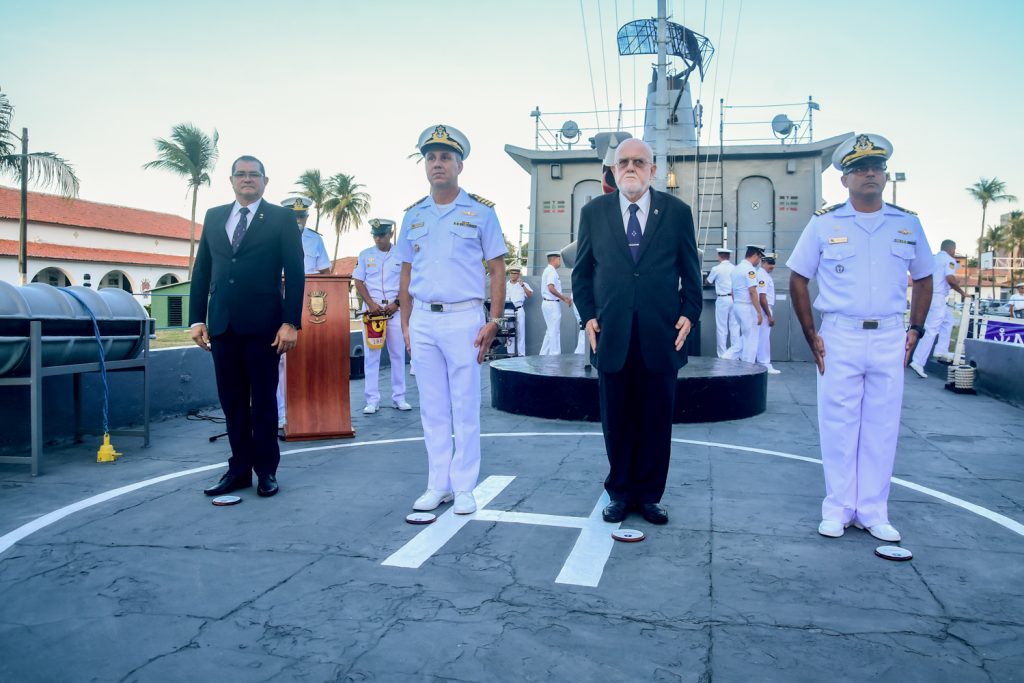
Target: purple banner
x=1005, y=332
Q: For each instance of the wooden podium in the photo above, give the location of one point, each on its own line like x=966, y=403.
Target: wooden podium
x=317, y=369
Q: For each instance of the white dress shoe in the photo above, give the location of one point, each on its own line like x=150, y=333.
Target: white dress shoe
x=465, y=503
x=402, y=405
x=831, y=529
x=370, y=409
x=431, y=499
x=919, y=370
x=773, y=371
x=883, y=532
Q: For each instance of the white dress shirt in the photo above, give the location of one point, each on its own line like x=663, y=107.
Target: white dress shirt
x=236, y=214
x=645, y=206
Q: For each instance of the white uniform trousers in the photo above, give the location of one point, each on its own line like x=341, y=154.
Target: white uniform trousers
x=764, y=342
x=747, y=319
x=859, y=401
x=938, y=324
x=735, y=334
x=448, y=378
x=725, y=325
x=281, y=417
x=520, y=345
x=552, y=344
x=371, y=364
x=581, y=335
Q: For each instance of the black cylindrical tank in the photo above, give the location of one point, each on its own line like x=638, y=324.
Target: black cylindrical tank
x=67, y=329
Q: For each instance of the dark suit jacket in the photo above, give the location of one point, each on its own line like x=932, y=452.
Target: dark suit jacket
x=244, y=288
x=662, y=285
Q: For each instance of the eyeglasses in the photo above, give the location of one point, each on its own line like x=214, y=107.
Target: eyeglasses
x=861, y=170
x=246, y=174
x=641, y=164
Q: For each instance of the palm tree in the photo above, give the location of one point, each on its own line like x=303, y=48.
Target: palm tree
x=986, y=191
x=995, y=238
x=1015, y=238
x=313, y=187
x=45, y=168
x=191, y=154
x=346, y=204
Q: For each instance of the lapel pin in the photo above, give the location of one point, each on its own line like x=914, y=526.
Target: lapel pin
x=655, y=212
x=260, y=216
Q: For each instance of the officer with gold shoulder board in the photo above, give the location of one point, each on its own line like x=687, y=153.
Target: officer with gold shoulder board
x=446, y=238
x=860, y=252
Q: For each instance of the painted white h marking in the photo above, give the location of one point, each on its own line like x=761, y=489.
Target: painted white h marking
x=586, y=560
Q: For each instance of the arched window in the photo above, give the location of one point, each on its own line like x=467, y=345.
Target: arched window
x=52, y=276
x=116, y=278
x=167, y=279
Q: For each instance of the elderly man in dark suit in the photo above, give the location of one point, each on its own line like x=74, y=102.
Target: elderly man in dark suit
x=637, y=283
x=249, y=319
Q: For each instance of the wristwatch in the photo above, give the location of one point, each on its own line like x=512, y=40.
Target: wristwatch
x=497, y=321
x=919, y=329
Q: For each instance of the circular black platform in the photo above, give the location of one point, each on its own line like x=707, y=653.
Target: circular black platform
x=559, y=387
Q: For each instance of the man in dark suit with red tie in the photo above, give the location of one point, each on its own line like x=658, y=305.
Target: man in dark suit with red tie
x=637, y=283
x=249, y=319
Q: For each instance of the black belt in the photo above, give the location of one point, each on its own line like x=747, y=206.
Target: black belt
x=552, y=299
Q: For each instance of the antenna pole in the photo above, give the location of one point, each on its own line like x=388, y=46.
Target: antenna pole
x=810, y=121
x=661, y=103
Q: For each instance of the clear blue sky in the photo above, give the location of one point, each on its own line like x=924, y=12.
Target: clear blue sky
x=347, y=86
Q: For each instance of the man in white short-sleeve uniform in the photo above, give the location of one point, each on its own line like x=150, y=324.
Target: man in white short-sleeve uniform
x=766, y=294
x=746, y=305
x=939, y=324
x=860, y=252
x=551, y=305
x=446, y=238
x=725, y=323
x=516, y=293
x=376, y=276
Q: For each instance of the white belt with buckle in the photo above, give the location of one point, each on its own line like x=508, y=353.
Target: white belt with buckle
x=450, y=308
x=851, y=322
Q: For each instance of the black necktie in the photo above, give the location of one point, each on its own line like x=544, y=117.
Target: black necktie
x=633, y=235
x=236, y=239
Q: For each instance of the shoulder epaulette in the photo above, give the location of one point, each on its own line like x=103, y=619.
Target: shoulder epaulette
x=486, y=202
x=912, y=213
x=415, y=202
x=827, y=209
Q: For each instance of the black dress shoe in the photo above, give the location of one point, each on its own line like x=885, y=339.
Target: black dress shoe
x=228, y=483
x=267, y=486
x=614, y=512
x=654, y=513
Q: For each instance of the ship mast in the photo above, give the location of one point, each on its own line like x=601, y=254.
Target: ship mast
x=661, y=102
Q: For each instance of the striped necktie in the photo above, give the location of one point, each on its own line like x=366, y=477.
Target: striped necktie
x=236, y=239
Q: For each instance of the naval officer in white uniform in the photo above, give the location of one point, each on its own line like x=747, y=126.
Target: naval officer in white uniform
x=746, y=305
x=725, y=324
x=1017, y=302
x=766, y=295
x=377, y=277
x=939, y=323
x=860, y=252
x=446, y=238
x=551, y=305
x=516, y=293
x=315, y=260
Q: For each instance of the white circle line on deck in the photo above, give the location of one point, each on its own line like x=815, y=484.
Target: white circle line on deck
x=39, y=523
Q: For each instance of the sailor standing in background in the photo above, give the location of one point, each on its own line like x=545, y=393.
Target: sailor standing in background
x=315, y=260
x=940, y=317
x=860, y=252
x=551, y=307
x=766, y=293
x=376, y=277
x=746, y=305
x=446, y=238
x=516, y=293
x=1017, y=302
x=725, y=324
